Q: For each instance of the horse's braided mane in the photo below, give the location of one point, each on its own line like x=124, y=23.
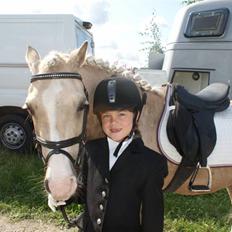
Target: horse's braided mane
x=54, y=58
x=120, y=71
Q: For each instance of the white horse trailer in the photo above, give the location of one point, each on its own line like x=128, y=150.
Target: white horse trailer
x=199, y=48
x=45, y=32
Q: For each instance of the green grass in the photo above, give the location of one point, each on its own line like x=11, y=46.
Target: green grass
x=205, y=213
x=22, y=196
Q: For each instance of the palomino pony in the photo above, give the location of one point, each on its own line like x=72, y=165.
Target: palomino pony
x=56, y=107
x=57, y=102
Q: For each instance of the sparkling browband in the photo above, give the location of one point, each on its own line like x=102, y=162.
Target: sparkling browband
x=49, y=76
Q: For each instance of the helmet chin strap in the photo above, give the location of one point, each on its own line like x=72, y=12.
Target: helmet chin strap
x=135, y=120
x=118, y=147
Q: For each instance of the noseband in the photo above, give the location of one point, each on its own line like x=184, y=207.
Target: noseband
x=57, y=146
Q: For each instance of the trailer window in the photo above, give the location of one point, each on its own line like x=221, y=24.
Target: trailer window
x=207, y=23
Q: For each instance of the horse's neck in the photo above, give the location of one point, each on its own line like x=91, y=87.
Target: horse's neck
x=92, y=75
x=150, y=118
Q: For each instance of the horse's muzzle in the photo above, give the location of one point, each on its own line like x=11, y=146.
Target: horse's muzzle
x=61, y=189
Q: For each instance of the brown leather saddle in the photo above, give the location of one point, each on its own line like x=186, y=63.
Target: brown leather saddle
x=191, y=128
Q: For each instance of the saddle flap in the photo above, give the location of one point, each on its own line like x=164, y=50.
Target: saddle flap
x=191, y=129
x=204, y=122
x=182, y=134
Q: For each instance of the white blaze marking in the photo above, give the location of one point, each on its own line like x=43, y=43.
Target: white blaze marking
x=59, y=172
x=58, y=165
x=50, y=107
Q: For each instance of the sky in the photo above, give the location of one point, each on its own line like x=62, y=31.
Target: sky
x=116, y=23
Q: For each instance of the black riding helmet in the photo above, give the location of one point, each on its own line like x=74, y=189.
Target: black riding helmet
x=117, y=93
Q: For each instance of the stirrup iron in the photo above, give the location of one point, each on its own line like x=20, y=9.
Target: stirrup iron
x=200, y=188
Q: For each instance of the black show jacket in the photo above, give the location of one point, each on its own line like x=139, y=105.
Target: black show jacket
x=127, y=198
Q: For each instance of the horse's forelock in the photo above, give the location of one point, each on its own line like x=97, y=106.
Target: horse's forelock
x=54, y=59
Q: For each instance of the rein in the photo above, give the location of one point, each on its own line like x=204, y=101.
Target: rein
x=57, y=146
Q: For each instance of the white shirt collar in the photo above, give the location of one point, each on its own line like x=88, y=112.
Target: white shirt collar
x=112, y=146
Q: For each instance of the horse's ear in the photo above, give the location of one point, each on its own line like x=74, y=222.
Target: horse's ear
x=32, y=58
x=77, y=57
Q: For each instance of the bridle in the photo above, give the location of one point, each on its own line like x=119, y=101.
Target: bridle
x=57, y=146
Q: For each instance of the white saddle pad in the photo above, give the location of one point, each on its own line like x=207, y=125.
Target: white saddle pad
x=222, y=153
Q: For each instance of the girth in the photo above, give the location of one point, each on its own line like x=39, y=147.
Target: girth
x=190, y=126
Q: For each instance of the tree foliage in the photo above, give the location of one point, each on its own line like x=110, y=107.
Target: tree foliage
x=151, y=36
x=188, y=2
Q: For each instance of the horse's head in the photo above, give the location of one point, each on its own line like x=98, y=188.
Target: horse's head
x=57, y=103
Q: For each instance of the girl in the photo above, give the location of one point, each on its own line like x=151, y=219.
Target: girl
x=123, y=178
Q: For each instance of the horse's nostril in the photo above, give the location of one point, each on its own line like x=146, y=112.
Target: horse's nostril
x=46, y=186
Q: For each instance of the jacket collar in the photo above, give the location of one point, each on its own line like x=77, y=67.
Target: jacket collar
x=134, y=148
x=101, y=155
x=136, y=145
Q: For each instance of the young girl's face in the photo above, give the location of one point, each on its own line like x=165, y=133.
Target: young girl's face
x=117, y=124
